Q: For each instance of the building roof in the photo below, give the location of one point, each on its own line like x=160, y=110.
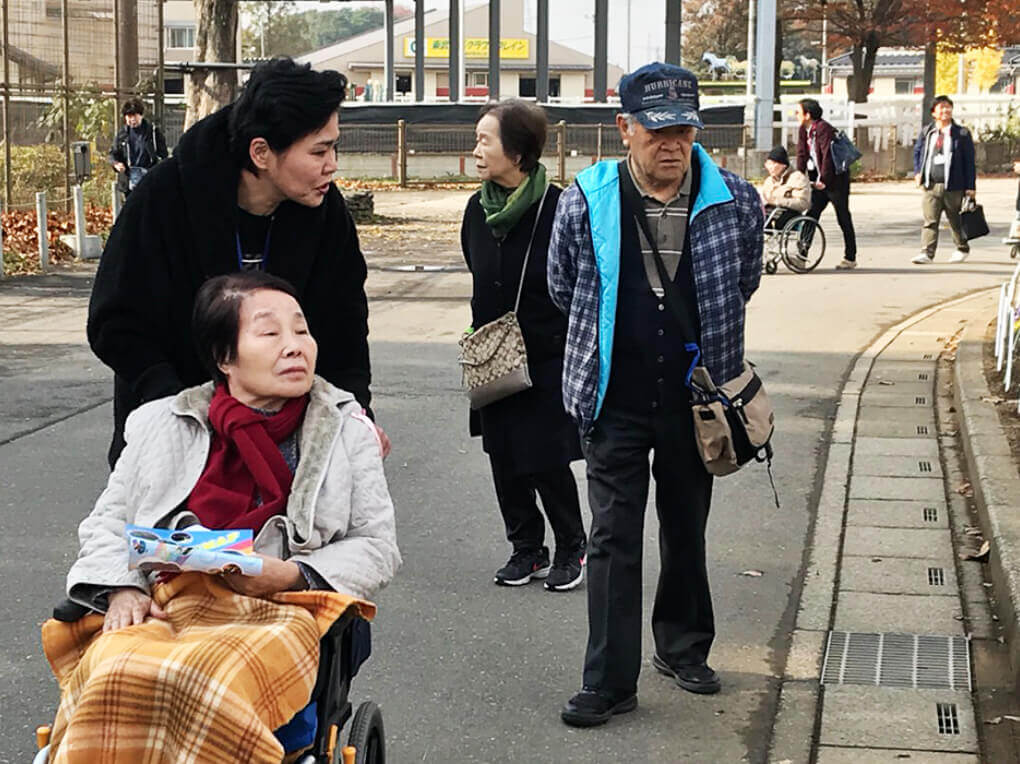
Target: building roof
x=905, y=60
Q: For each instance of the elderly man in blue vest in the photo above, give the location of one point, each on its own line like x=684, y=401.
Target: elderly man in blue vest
x=629, y=351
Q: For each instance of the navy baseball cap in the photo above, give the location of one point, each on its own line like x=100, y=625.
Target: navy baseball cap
x=661, y=95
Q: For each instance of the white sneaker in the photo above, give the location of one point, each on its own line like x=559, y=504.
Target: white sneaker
x=958, y=256
x=923, y=259
x=846, y=265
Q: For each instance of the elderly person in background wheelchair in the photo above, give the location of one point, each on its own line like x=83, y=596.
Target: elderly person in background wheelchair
x=786, y=192
x=266, y=446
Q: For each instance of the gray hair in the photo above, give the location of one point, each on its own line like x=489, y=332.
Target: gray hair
x=631, y=120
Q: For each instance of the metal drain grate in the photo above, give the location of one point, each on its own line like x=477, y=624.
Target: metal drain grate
x=936, y=577
x=924, y=466
x=897, y=660
x=920, y=400
x=930, y=515
x=923, y=376
x=922, y=429
x=949, y=719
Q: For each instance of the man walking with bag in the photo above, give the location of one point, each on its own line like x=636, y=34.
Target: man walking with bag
x=666, y=211
x=139, y=145
x=944, y=168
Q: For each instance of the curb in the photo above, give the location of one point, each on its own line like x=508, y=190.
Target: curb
x=995, y=480
x=800, y=692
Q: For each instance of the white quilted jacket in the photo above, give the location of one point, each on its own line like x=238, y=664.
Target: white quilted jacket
x=339, y=517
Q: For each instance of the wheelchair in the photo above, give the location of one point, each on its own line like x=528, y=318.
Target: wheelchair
x=366, y=743
x=799, y=242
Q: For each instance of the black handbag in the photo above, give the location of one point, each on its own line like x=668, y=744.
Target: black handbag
x=972, y=219
x=843, y=151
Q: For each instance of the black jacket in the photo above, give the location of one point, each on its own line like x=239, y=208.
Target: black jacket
x=155, y=146
x=176, y=230
x=529, y=430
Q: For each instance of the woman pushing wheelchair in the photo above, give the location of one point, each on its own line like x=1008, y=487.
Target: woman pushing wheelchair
x=211, y=667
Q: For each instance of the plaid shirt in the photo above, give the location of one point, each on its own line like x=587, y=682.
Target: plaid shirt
x=725, y=230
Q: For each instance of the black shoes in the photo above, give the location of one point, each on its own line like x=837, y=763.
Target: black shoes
x=591, y=707
x=523, y=566
x=696, y=677
x=568, y=569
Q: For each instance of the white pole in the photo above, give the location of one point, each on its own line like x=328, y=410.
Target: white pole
x=961, y=74
x=461, y=68
x=765, y=89
x=115, y=200
x=998, y=327
x=750, y=50
x=79, y=220
x=825, y=47
x=628, y=37
x=41, y=222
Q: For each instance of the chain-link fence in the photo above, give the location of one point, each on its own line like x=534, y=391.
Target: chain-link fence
x=60, y=85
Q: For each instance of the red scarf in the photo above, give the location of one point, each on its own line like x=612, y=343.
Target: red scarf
x=245, y=463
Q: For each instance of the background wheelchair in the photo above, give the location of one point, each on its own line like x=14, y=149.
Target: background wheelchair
x=366, y=742
x=799, y=242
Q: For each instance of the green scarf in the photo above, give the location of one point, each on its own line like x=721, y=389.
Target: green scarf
x=505, y=207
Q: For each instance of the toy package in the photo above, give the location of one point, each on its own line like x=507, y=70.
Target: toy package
x=192, y=549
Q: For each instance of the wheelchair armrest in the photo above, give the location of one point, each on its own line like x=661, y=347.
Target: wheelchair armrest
x=69, y=611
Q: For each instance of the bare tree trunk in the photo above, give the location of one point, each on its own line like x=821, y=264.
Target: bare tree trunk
x=862, y=56
x=216, y=41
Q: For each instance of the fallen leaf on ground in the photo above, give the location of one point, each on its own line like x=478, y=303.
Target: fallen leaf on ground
x=886, y=382
x=752, y=573
x=981, y=555
x=993, y=399
x=965, y=489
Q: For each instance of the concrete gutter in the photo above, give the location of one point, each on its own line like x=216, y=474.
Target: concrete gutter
x=996, y=483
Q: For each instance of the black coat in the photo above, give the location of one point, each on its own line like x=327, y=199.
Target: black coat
x=530, y=431
x=177, y=229
x=155, y=145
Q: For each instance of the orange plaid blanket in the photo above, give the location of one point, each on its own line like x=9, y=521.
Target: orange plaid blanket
x=208, y=685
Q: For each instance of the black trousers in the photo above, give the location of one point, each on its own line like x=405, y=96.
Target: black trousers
x=682, y=620
x=839, y=195
x=525, y=528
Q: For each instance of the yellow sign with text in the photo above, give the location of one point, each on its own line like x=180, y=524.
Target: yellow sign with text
x=474, y=47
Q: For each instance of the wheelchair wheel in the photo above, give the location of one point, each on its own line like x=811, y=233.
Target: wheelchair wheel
x=367, y=735
x=770, y=266
x=802, y=244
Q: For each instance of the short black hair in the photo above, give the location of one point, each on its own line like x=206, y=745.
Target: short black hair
x=941, y=99
x=522, y=129
x=811, y=107
x=282, y=101
x=216, y=317
x=132, y=106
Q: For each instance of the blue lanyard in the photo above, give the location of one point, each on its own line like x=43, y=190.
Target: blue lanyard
x=242, y=262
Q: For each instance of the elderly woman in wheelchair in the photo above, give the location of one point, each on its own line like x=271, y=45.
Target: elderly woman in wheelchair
x=222, y=667
x=790, y=235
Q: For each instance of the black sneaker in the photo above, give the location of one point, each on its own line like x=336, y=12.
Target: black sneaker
x=567, y=570
x=699, y=678
x=524, y=565
x=591, y=707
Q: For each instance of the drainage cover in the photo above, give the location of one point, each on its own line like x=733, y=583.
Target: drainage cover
x=931, y=515
x=897, y=660
x=948, y=718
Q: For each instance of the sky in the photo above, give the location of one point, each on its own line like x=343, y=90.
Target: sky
x=571, y=23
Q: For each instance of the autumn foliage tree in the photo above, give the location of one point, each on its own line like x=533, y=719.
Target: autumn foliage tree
x=865, y=26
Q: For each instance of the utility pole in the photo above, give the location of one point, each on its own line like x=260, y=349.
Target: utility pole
x=542, y=53
x=419, y=50
x=127, y=45
x=765, y=93
x=66, y=33
x=7, y=112
x=601, y=74
x=494, y=37
x=750, y=50
x=674, y=48
x=825, y=45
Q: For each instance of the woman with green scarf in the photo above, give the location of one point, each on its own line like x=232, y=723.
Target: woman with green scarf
x=528, y=436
